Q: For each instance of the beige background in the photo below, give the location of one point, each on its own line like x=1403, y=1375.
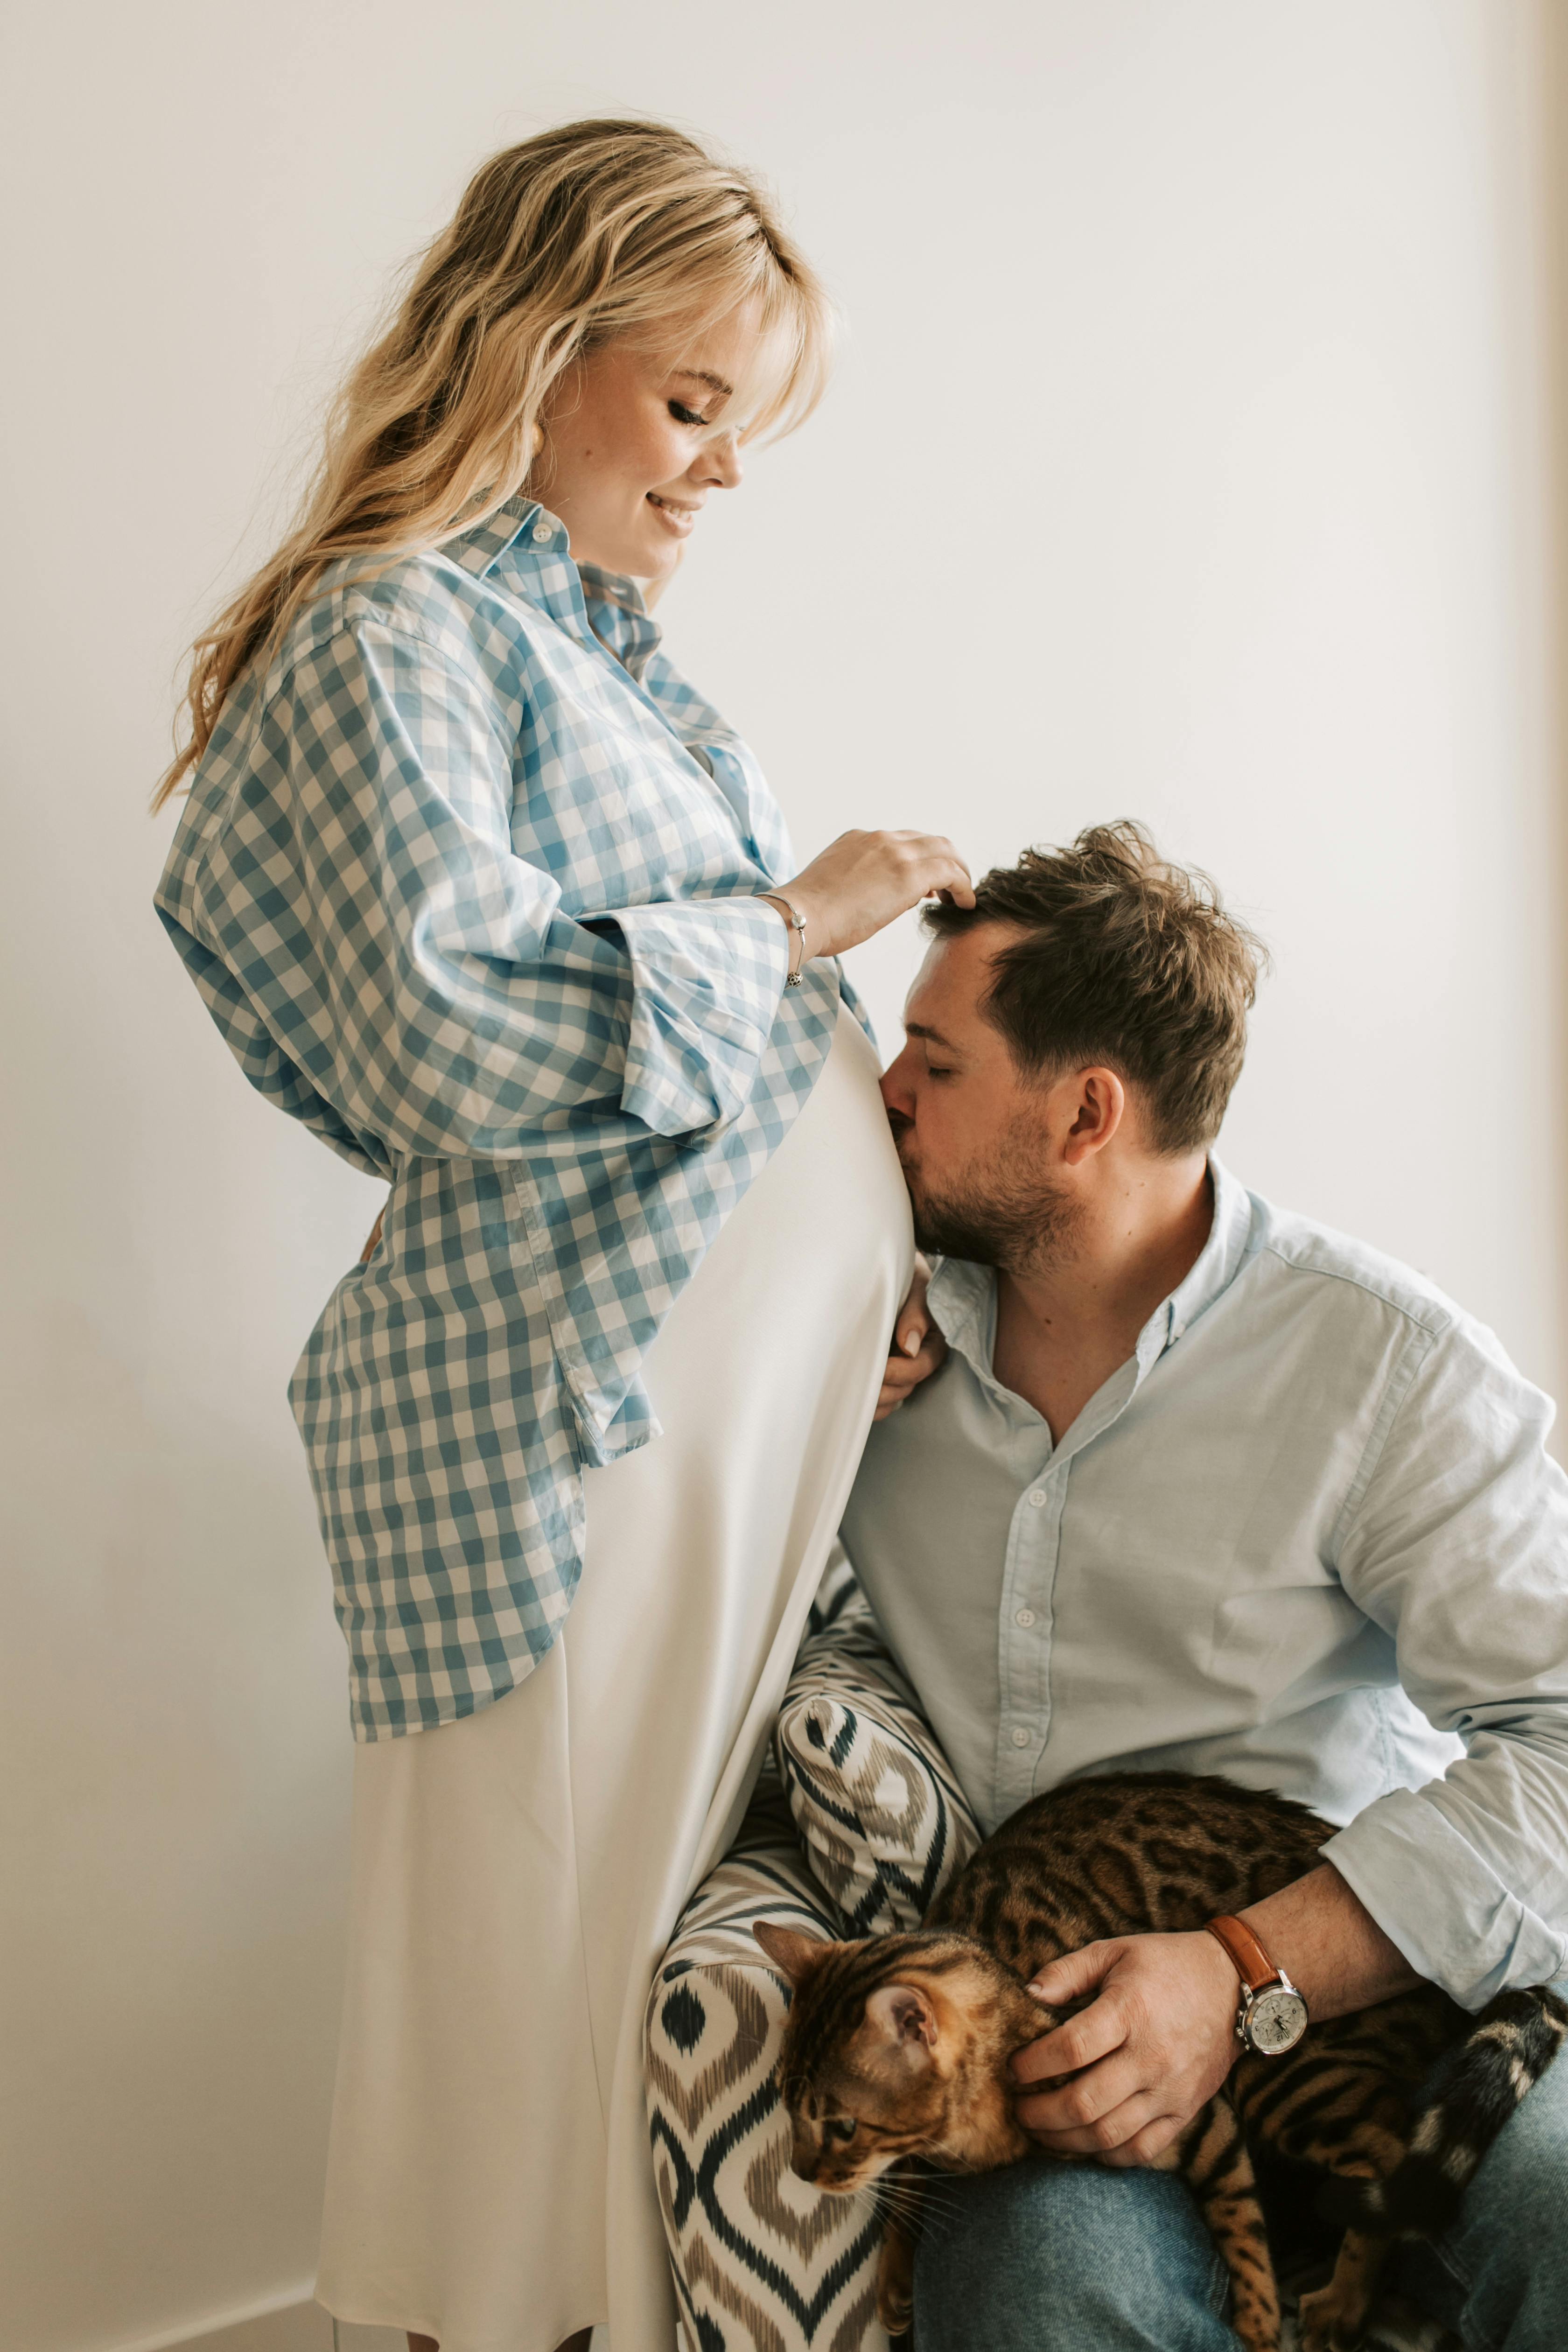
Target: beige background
x=1189, y=459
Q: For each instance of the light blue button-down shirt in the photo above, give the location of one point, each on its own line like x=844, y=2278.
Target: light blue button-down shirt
x=467, y=878
x=1308, y=1536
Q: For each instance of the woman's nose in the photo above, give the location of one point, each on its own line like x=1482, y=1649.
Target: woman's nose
x=719, y=462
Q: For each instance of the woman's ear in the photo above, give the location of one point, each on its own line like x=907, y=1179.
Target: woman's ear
x=796, y=1955
x=900, y=2020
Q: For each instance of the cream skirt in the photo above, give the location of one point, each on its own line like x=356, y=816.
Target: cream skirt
x=516, y=1875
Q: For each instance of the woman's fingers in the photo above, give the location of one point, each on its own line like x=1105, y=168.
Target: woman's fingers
x=903, y=1374
x=913, y=1322
x=932, y=869
x=865, y=880
x=918, y=1347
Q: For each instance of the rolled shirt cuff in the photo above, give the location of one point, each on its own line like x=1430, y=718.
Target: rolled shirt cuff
x=707, y=977
x=1441, y=1903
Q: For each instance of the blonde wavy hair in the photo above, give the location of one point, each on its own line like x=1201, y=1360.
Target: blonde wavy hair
x=588, y=232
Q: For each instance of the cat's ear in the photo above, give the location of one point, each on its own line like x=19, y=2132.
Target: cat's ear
x=900, y=2016
x=796, y=1955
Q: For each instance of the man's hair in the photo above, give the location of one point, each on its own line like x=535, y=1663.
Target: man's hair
x=1125, y=959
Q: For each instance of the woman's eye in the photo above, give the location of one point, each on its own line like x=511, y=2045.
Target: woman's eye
x=684, y=416
x=938, y=1070
x=842, y=2127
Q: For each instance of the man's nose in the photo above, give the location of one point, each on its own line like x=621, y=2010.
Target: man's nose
x=896, y=1092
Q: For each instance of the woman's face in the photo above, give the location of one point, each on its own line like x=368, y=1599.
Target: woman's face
x=634, y=440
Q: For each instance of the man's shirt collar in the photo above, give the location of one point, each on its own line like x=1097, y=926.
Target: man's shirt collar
x=1216, y=1264
x=962, y=1297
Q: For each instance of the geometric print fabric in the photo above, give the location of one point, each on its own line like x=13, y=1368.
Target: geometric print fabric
x=761, y=2261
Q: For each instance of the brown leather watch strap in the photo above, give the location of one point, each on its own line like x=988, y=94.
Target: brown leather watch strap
x=1247, y=1957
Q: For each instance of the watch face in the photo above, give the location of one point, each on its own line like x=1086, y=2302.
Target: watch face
x=1276, y=2021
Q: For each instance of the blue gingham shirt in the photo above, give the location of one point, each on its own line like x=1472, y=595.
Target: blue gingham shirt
x=467, y=880
x=1308, y=1536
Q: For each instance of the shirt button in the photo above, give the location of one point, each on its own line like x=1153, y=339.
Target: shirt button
x=1024, y=1617
x=1036, y=1496
x=1020, y=1738
x=543, y=533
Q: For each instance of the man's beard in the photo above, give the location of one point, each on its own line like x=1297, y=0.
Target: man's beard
x=1005, y=1213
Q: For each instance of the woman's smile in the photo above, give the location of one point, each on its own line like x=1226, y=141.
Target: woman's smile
x=639, y=436
x=675, y=515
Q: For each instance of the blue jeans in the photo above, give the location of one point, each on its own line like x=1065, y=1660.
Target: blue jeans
x=1060, y=2258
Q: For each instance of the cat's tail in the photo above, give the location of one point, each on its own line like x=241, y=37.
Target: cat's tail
x=1481, y=2082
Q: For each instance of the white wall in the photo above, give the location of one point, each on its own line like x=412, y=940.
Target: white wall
x=1186, y=461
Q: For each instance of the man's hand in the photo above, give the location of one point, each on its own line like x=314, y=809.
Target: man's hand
x=918, y=1347
x=1151, y=2050
x=1160, y=2038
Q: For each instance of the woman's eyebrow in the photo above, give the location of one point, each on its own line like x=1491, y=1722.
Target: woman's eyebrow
x=701, y=376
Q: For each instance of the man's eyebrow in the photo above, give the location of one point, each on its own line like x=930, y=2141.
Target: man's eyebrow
x=701, y=376
x=933, y=1036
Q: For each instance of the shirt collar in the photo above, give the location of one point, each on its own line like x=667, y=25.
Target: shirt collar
x=480, y=548
x=530, y=534
x=962, y=1297
x=1216, y=1264
x=618, y=617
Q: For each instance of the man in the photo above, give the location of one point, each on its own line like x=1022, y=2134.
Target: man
x=1202, y=1486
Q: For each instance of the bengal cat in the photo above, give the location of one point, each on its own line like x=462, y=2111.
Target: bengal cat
x=896, y=2048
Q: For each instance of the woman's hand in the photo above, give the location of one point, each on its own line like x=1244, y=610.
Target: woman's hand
x=918, y=1347
x=1151, y=2049
x=865, y=880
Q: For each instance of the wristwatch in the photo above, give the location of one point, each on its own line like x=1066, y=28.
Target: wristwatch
x=1272, y=2017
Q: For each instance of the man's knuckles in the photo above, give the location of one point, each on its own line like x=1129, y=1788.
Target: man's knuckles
x=1079, y=2106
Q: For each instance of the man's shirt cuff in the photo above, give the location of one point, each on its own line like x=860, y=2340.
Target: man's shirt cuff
x=1444, y=1907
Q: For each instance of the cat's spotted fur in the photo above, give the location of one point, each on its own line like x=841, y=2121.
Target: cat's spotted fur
x=898, y=2048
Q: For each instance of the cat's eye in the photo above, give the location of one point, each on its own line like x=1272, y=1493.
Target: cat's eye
x=840, y=2127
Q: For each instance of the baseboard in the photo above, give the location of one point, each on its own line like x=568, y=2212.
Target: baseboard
x=289, y=2320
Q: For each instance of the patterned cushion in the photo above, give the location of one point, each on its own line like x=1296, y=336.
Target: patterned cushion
x=763, y=2263
x=882, y=1819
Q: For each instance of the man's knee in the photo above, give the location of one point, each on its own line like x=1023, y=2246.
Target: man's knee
x=1500, y=2274
x=1051, y=2258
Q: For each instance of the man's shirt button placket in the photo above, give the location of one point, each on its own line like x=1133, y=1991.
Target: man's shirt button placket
x=1026, y=1662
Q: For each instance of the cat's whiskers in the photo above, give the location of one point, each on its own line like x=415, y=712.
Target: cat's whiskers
x=891, y=2195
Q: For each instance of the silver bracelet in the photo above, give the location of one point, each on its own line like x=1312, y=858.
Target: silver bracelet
x=797, y=924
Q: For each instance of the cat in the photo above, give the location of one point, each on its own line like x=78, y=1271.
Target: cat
x=897, y=2047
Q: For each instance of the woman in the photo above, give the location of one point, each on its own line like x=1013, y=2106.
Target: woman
x=480, y=891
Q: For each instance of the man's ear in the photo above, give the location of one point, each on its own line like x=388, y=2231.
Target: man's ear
x=900, y=2018
x=1094, y=1113
x=798, y=1956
